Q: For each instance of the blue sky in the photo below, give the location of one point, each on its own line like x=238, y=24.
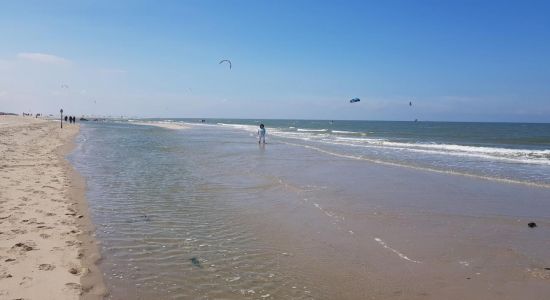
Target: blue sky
x=456, y=60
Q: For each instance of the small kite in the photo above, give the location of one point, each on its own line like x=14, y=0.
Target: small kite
x=227, y=61
x=354, y=100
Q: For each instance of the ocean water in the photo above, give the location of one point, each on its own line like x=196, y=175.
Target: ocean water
x=325, y=210
x=515, y=152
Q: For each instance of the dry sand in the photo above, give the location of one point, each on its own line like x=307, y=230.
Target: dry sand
x=46, y=245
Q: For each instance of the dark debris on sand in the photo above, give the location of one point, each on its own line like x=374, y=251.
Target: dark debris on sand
x=195, y=261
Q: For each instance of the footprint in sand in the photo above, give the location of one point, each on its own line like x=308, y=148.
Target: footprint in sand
x=25, y=247
x=26, y=282
x=73, y=286
x=72, y=243
x=46, y=267
x=44, y=227
x=71, y=232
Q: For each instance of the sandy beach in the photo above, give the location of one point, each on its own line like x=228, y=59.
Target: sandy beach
x=46, y=245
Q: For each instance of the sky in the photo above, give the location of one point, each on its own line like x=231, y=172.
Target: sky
x=301, y=59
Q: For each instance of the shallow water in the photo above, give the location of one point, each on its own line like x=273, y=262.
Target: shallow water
x=168, y=221
x=207, y=213
x=518, y=152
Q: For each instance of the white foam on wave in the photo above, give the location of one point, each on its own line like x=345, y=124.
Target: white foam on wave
x=403, y=256
x=311, y=130
x=345, y=132
x=396, y=164
x=507, y=154
x=530, y=156
x=527, y=156
x=249, y=128
x=168, y=124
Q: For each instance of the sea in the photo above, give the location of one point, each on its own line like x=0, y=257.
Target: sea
x=205, y=212
x=515, y=152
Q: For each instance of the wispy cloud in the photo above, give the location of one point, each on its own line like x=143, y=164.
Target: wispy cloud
x=43, y=58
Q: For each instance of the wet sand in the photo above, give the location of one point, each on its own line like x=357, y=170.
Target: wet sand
x=46, y=246
x=379, y=232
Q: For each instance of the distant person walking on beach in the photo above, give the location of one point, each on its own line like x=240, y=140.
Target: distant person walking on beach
x=261, y=134
x=66, y=118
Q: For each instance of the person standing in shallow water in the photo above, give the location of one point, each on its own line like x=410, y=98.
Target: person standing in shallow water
x=261, y=134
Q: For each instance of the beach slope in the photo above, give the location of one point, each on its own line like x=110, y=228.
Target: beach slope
x=46, y=249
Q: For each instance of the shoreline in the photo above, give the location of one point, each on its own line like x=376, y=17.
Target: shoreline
x=47, y=247
x=91, y=282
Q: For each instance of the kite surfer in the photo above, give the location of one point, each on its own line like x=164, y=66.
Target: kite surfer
x=227, y=61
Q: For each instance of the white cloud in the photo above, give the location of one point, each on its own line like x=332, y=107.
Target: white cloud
x=43, y=58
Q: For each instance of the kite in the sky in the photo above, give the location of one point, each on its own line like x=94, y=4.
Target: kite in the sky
x=227, y=61
x=354, y=100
